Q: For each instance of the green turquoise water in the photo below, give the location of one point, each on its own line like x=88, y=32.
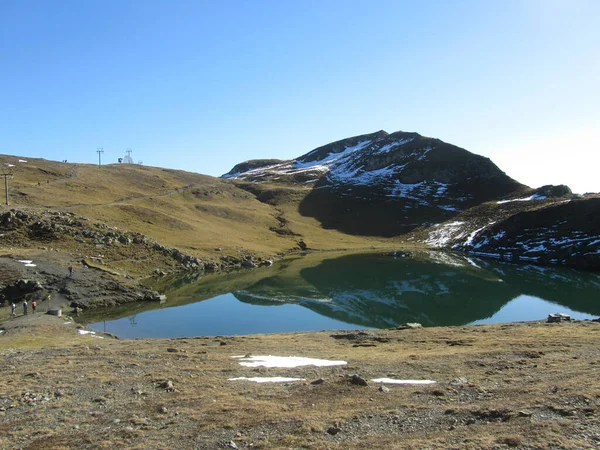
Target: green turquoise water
x=359, y=291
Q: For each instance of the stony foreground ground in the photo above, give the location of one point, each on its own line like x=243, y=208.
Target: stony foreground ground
x=521, y=385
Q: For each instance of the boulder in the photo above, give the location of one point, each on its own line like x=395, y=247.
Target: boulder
x=554, y=318
x=55, y=312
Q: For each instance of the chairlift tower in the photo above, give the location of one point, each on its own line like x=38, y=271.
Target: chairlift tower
x=99, y=150
x=128, y=159
x=6, y=171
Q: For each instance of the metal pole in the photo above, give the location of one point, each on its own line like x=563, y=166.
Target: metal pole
x=100, y=151
x=6, y=187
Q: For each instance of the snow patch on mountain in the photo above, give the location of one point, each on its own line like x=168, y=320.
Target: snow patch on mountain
x=386, y=148
x=350, y=166
x=331, y=158
x=525, y=199
x=442, y=234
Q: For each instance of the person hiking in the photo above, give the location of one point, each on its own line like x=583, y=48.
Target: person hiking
x=25, y=307
x=70, y=271
x=12, y=309
x=33, y=305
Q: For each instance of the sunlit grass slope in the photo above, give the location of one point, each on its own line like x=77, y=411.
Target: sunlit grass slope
x=195, y=213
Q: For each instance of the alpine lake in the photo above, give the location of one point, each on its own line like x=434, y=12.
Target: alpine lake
x=329, y=291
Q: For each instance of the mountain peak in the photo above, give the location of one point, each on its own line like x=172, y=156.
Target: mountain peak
x=382, y=183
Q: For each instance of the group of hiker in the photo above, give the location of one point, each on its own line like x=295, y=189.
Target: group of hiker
x=25, y=307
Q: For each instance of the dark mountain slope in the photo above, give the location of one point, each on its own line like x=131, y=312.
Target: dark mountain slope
x=384, y=184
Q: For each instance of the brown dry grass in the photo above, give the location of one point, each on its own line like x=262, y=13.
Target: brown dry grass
x=528, y=385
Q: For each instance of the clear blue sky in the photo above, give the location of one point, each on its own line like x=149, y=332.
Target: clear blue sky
x=203, y=85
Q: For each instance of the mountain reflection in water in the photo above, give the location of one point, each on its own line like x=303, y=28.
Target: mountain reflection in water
x=382, y=291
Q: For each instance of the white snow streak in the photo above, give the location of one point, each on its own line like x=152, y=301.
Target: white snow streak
x=394, y=381
x=443, y=235
x=267, y=379
x=526, y=199
x=285, y=361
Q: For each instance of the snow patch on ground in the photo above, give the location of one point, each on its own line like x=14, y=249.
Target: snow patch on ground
x=285, y=361
x=91, y=333
x=394, y=381
x=267, y=379
x=27, y=262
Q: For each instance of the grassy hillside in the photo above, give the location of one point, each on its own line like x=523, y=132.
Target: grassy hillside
x=195, y=213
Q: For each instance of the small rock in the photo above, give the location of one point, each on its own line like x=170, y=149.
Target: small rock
x=231, y=444
x=59, y=393
x=319, y=381
x=525, y=414
x=167, y=384
x=359, y=381
x=172, y=350
x=458, y=381
x=163, y=410
x=333, y=430
x=384, y=389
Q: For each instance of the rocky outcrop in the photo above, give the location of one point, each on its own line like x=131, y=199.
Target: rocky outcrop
x=22, y=289
x=22, y=227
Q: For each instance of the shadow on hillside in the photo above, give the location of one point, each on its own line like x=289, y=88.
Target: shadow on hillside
x=363, y=210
